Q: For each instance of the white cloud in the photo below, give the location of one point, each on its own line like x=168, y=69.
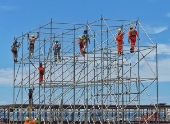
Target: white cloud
x=156, y=29
x=6, y=76
x=2, y=102
x=163, y=64
x=7, y=8
x=163, y=49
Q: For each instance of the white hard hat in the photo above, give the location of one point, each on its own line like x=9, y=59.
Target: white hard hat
x=119, y=30
x=80, y=37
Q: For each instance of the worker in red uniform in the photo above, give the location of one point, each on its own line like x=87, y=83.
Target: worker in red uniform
x=132, y=38
x=41, y=73
x=81, y=45
x=119, y=40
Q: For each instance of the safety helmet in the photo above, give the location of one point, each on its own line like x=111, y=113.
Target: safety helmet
x=29, y=89
x=15, y=41
x=32, y=35
x=40, y=63
x=131, y=27
x=27, y=119
x=119, y=30
x=85, y=31
x=80, y=37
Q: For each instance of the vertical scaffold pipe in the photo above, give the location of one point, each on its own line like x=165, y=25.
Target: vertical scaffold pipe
x=102, y=69
x=51, y=26
x=22, y=117
x=94, y=70
x=74, y=90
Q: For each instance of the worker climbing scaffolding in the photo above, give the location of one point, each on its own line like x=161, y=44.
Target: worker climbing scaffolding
x=86, y=39
x=132, y=38
x=31, y=44
x=119, y=41
x=81, y=45
x=14, y=50
x=41, y=73
x=56, y=49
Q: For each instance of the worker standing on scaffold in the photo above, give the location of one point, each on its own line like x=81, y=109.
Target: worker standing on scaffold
x=30, y=97
x=119, y=40
x=132, y=38
x=56, y=49
x=14, y=50
x=31, y=44
x=81, y=45
x=86, y=39
x=41, y=73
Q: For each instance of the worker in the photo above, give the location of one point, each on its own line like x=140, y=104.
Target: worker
x=155, y=116
x=56, y=49
x=34, y=120
x=14, y=50
x=119, y=40
x=31, y=43
x=81, y=45
x=86, y=39
x=30, y=94
x=132, y=38
x=41, y=73
x=27, y=121
x=37, y=121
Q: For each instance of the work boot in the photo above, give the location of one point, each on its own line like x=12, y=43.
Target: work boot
x=131, y=50
x=59, y=58
x=15, y=60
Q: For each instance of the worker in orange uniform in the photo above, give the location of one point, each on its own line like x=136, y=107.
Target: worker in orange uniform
x=119, y=40
x=33, y=121
x=81, y=45
x=31, y=43
x=27, y=121
x=132, y=38
x=41, y=73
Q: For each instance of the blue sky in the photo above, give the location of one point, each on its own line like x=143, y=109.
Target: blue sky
x=22, y=16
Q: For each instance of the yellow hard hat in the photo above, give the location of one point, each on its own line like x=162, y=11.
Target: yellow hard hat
x=32, y=35
x=131, y=26
x=27, y=119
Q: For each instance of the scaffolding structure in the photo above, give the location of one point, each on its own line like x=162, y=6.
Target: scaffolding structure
x=99, y=87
